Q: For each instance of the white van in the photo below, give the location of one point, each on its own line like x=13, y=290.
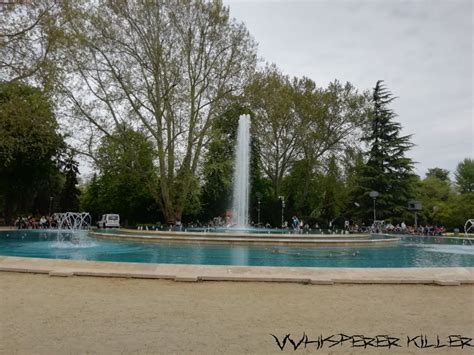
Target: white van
x=109, y=221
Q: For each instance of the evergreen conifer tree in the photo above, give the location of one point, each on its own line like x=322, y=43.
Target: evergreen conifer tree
x=69, y=199
x=387, y=170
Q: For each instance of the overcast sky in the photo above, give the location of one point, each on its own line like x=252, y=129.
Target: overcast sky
x=421, y=48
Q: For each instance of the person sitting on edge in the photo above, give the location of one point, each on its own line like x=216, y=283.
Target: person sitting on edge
x=43, y=222
x=17, y=223
x=296, y=223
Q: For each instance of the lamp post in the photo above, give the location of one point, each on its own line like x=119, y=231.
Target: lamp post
x=415, y=206
x=374, y=195
x=259, y=197
x=282, y=198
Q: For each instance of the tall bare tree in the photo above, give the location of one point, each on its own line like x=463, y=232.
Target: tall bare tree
x=334, y=117
x=276, y=126
x=165, y=67
x=297, y=121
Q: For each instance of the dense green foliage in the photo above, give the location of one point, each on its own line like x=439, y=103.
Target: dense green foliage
x=125, y=178
x=218, y=164
x=29, y=148
x=442, y=202
x=465, y=175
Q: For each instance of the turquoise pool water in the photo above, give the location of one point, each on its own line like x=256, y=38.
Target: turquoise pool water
x=409, y=252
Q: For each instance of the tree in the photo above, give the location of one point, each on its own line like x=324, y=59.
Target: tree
x=334, y=119
x=90, y=199
x=29, y=38
x=218, y=164
x=126, y=177
x=465, y=176
x=277, y=127
x=441, y=174
x=29, y=146
x=434, y=194
x=166, y=67
x=387, y=170
x=455, y=212
x=333, y=190
x=69, y=198
x=443, y=204
x=296, y=121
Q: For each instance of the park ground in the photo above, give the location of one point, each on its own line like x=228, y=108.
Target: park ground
x=40, y=314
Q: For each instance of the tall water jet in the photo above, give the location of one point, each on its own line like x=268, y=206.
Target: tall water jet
x=240, y=202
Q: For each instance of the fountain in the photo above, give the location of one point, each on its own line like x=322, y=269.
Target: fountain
x=69, y=225
x=240, y=202
x=73, y=220
x=468, y=226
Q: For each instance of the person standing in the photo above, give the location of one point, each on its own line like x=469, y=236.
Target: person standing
x=346, y=225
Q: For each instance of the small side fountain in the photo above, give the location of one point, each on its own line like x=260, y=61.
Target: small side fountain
x=70, y=228
x=73, y=220
x=468, y=227
x=240, y=202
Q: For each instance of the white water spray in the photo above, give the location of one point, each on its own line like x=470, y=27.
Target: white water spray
x=71, y=232
x=240, y=208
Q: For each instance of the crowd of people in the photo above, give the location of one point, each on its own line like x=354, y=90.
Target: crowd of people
x=45, y=222
x=401, y=228
x=298, y=226
x=420, y=230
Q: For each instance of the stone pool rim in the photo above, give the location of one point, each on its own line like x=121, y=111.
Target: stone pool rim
x=453, y=276
x=343, y=240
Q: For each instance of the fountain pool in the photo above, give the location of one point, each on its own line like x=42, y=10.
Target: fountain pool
x=410, y=251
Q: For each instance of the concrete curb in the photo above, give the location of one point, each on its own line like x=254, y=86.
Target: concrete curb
x=192, y=273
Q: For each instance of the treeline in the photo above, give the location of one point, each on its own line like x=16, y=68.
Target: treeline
x=335, y=189
x=151, y=92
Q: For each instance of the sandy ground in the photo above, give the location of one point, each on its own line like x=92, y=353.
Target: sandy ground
x=53, y=315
